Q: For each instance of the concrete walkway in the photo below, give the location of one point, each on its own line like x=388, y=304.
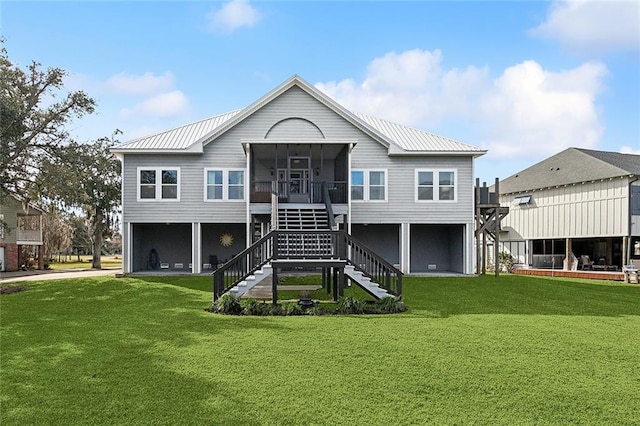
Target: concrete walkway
x=38, y=275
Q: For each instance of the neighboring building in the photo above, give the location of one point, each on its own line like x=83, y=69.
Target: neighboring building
x=195, y=196
x=579, y=202
x=20, y=234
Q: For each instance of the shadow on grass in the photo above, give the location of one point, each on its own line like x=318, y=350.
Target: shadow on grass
x=517, y=294
x=125, y=348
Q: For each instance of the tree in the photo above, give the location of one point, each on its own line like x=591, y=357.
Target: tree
x=82, y=243
x=87, y=176
x=57, y=233
x=34, y=113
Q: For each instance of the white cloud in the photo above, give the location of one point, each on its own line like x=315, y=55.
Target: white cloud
x=630, y=150
x=161, y=105
x=525, y=111
x=409, y=88
x=587, y=26
x=233, y=15
x=533, y=110
x=145, y=84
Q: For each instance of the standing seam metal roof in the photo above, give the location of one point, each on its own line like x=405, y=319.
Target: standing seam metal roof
x=408, y=139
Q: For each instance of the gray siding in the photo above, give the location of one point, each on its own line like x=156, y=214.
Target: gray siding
x=227, y=152
x=401, y=205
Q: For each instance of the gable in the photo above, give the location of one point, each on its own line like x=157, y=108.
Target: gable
x=295, y=119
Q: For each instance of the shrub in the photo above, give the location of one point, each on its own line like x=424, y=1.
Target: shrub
x=506, y=261
x=390, y=305
x=350, y=305
x=253, y=307
x=227, y=304
x=316, y=311
x=291, y=308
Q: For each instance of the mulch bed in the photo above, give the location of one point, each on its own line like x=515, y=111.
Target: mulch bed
x=12, y=289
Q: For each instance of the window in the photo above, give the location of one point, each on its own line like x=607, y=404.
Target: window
x=224, y=185
x=522, y=199
x=159, y=184
x=369, y=185
x=635, y=200
x=435, y=185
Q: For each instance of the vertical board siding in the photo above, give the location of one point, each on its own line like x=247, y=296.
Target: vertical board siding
x=593, y=209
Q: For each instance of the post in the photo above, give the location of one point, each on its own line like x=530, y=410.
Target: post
x=476, y=231
x=496, y=222
x=274, y=286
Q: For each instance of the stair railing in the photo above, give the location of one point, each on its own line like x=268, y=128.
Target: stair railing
x=309, y=245
x=243, y=264
x=326, y=199
x=370, y=264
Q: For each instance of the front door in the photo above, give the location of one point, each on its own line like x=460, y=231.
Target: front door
x=299, y=179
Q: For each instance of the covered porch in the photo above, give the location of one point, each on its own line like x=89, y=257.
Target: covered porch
x=298, y=172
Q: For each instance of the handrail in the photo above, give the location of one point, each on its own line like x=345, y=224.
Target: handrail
x=365, y=260
x=327, y=203
x=309, y=245
x=242, y=265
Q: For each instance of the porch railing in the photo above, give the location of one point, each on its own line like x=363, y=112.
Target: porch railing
x=307, y=245
x=29, y=236
x=261, y=191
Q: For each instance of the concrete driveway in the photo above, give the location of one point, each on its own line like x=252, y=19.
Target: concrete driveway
x=11, y=277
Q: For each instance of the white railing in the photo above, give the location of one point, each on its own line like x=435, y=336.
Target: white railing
x=29, y=236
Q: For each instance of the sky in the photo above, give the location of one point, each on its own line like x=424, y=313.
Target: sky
x=523, y=80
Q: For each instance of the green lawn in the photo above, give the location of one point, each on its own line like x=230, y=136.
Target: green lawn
x=85, y=263
x=516, y=350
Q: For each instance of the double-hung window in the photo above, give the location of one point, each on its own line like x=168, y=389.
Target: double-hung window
x=161, y=183
x=224, y=185
x=369, y=185
x=436, y=185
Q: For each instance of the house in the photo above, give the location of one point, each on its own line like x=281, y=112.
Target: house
x=21, y=240
x=196, y=196
x=580, y=204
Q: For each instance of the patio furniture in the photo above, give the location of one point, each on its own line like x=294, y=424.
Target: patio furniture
x=587, y=264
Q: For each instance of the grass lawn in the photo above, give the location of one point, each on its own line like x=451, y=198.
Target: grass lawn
x=85, y=262
x=513, y=350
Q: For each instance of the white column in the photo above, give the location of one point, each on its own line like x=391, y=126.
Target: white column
x=126, y=247
x=405, y=248
x=196, y=248
x=469, y=250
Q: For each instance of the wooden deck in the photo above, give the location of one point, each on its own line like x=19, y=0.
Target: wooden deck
x=589, y=275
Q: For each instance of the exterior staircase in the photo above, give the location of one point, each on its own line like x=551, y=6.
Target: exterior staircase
x=251, y=281
x=365, y=282
x=307, y=236
x=302, y=218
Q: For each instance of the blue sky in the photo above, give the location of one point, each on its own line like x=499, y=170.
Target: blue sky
x=524, y=80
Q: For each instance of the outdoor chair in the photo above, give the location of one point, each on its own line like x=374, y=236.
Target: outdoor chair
x=587, y=264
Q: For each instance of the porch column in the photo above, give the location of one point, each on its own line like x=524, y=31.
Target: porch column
x=196, y=248
x=405, y=247
x=568, y=255
x=41, y=256
x=127, y=236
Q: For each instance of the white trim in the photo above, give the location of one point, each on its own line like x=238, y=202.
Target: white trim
x=366, y=191
x=225, y=185
x=158, y=184
x=436, y=185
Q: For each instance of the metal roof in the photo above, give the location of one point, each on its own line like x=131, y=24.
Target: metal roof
x=572, y=166
x=413, y=140
x=399, y=139
x=180, y=138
